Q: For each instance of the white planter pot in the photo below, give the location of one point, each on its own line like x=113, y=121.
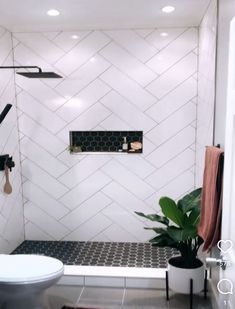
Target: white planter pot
x=179, y=278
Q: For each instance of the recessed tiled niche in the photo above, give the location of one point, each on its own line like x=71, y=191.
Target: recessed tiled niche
x=106, y=141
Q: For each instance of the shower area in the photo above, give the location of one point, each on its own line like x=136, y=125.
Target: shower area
x=79, y=207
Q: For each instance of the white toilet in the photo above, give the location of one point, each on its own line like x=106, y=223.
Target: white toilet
x=24, y=279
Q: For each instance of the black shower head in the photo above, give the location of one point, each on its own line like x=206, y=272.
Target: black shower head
x=39, y=74
x=5, y=112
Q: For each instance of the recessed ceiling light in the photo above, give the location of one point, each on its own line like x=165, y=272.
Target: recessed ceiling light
x=53, y=12
x=164, y=34
x=74, y=36
x=168, y=9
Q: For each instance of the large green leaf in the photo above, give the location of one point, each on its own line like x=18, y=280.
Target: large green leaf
x=163, y=240
x=190, y=201
x=171, y=211
x=180, y=235
x=154, y=217
x=194, y=217
x=157, y=230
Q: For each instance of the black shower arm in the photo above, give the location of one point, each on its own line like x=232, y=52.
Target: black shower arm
x=22, y=67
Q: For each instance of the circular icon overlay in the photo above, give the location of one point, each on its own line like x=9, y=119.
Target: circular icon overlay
x=225, y=286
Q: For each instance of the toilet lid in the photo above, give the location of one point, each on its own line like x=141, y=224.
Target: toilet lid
x=27, y=268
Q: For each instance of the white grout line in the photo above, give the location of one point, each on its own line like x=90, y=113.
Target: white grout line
x=79, y=297
x=123, y=295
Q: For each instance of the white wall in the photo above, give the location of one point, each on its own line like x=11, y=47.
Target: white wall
x=113, y=80
x=206, y=87
x=206, y=92
x=11, y=206
x=226, y=13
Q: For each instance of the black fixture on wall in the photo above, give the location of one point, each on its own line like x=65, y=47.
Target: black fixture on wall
x=5, y=112
x=39, y=74
x=106, y=141
x=6, y=160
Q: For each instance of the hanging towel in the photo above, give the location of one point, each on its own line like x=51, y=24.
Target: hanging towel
x=211, y=203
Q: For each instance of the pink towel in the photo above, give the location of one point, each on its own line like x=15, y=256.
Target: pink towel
x=211, y=204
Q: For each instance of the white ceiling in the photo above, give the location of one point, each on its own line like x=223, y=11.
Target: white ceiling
x=30, y=15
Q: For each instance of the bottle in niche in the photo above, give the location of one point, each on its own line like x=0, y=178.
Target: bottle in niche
x=125, y=144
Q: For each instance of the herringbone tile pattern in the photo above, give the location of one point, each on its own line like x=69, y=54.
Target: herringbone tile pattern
x=113, y=80
x=11, y=206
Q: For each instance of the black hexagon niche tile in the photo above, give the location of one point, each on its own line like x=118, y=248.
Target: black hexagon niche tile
x=106, y=141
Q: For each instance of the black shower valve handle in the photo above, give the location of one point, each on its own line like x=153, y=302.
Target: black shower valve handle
x=6, y=160
x=10, y=163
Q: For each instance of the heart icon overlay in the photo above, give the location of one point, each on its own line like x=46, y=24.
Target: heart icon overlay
x=225, y=246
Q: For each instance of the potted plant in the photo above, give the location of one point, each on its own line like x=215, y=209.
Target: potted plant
x=179, y=230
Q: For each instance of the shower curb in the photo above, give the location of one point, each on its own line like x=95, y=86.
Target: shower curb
x=119, y=277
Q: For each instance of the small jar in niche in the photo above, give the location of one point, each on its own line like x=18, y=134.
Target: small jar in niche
x=125, y=144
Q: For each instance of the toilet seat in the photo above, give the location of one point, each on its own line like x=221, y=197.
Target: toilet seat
x=25, y=268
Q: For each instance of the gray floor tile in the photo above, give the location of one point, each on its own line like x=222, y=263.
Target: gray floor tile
x=141, y=299
x=101, y=297
x=116, y=298
x=179, y=301
x=60, y=295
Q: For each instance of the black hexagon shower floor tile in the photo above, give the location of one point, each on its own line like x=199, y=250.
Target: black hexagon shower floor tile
x=118, y=254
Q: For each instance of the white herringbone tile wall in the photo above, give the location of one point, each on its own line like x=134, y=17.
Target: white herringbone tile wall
x=206, y=87
x=11, y=206
x=113, y=80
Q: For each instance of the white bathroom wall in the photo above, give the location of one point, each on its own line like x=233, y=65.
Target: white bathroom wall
x=11, y=206
x=226, y=12
x=206, y=97
x=113, y=80
x=206, y=87
x=225, y=16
